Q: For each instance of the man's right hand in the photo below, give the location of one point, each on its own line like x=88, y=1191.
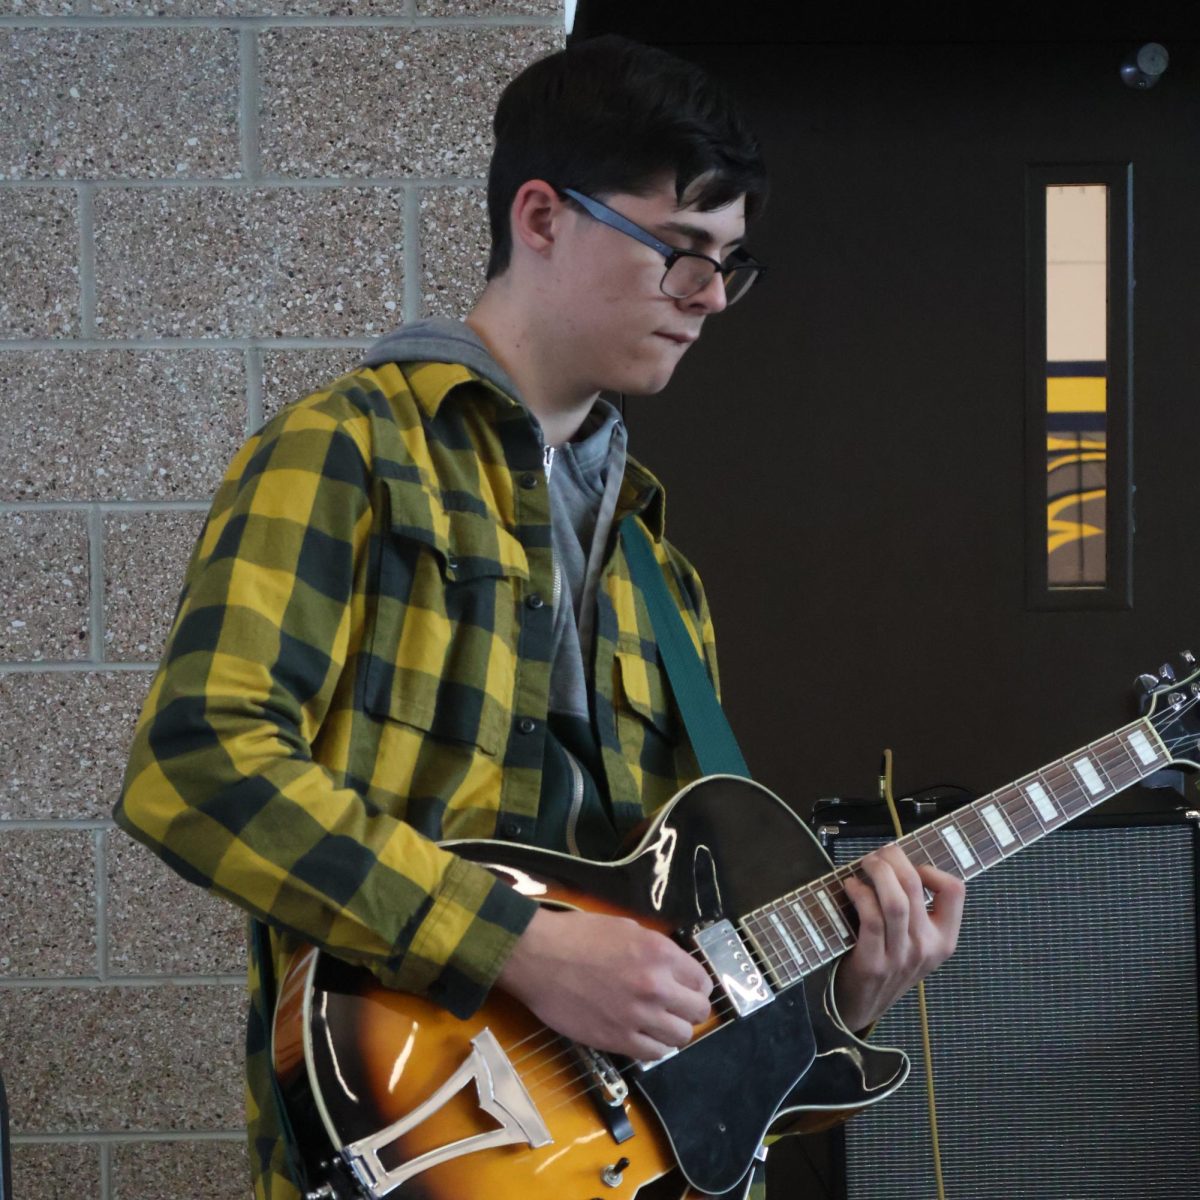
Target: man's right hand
x=608, y=982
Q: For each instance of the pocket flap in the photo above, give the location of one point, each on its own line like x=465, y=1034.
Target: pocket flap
x=646, y=690
x=468, y=545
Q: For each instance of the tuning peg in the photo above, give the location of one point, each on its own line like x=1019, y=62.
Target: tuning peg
x=1166, y=673
x=1188, y=657
x=1147, y=683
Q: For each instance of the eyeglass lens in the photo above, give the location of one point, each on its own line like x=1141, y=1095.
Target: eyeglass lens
x=689, y=275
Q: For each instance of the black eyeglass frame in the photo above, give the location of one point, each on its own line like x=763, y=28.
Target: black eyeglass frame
x=615, y=220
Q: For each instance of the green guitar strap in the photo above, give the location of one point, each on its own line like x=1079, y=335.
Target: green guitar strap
x=708, y=729
x=260, y=950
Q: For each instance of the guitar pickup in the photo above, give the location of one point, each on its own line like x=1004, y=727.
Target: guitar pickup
x=735, y=970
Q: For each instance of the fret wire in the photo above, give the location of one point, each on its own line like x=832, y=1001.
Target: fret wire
x=812, y=909
x=1065, y=790
x=782, y=919
x=940, y=855
x=821, y=951
x=956, y=867
x=819, y=915
x=843, y=929
x=958, y=822
x=779, y=961
x=975, y=816
x=798, y=935
x=1013, y=799
x=1063, y=793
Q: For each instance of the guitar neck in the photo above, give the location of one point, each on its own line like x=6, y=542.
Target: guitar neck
x=803, y=930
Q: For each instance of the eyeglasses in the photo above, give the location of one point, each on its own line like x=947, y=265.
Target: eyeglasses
x=688, y=271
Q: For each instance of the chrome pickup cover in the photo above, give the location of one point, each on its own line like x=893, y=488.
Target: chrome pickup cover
x=735, y=970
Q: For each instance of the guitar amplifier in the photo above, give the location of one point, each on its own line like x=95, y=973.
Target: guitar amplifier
x=1065, y=1029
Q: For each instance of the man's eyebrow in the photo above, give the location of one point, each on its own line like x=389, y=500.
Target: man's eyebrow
x=697, y=233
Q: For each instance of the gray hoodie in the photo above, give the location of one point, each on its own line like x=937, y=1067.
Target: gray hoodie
x=585, y=479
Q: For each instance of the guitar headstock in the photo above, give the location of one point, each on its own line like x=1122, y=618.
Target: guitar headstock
x=1173, y=697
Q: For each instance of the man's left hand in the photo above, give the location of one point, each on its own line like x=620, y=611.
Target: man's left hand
x=900, y=941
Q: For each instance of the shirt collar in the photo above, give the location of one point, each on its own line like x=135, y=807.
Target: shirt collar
x=640, y=493
x=431, y=382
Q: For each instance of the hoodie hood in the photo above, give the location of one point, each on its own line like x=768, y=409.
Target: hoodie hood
x=440, y=339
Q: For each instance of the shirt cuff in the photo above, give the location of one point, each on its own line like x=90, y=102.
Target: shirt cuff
x=464, y=939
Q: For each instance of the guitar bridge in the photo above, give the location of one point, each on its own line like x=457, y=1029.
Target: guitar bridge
x=611, y=1089
x=736, y=972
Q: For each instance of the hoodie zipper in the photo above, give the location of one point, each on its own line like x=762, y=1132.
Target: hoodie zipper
x=548, y=466
x=576, y=772
x=576, y=804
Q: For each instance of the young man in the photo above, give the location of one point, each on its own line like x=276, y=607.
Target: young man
x=408, y=618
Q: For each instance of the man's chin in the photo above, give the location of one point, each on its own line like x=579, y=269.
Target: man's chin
x=646, y=385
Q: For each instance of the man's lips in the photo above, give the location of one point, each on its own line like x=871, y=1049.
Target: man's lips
x=681, y=339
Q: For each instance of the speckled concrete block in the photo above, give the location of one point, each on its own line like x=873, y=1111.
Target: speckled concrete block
x=181, y=1171
x=98, y=103
x=44, y=586
x=488, y=8
x=158, y=924
x=65, y=738
x=119, y=424
x=206, y=8
x=45, y=1171
x=289, y=375
x=48, y=898
x=145, y=555
x=209, y=261
x=137, y=1058
x=387, y=101
x=39, y=263
x=209, y=1170
x=455, y=243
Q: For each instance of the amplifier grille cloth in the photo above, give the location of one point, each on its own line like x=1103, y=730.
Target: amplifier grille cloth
x=1064, y=1032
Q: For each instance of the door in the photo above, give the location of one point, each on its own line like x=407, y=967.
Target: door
x=845, y=453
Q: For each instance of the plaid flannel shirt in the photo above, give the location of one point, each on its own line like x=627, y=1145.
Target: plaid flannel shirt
x=359, y=666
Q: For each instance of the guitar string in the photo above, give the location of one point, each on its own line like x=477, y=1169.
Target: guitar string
x=721, y=1010
x=1115, y=760
x=1115, y=754
x=1029, y=824
x=566, y=1086
x=1115, y=746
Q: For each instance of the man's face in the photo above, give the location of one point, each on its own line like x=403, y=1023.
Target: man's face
x=626, y=335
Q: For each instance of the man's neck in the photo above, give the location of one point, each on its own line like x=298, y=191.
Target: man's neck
x=532, y=363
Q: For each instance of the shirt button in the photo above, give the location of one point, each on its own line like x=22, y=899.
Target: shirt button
x=529, y=480
x=511, y=829
x=534, y=601
x=452, y=563
x=526, y=725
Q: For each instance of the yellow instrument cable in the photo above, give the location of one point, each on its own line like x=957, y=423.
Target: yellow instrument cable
x=885, y=784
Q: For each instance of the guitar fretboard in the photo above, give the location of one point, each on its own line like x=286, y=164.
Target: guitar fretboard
x=805, y=929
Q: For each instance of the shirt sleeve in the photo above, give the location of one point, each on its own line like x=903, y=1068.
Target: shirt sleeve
x=222, y=780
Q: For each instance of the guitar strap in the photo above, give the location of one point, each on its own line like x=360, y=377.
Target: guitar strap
x=260, y=950
x=708, y=729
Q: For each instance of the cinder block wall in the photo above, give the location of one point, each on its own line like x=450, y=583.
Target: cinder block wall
x=207, y=208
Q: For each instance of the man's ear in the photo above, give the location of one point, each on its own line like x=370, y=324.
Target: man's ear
x=536, y=209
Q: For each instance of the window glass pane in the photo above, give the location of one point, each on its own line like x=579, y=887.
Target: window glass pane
x=1076, y=385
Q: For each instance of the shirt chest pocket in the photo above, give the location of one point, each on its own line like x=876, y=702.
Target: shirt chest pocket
x=443, y=637
x=642, y=702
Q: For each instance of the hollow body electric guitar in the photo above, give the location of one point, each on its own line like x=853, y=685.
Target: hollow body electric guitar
x=391, y=1095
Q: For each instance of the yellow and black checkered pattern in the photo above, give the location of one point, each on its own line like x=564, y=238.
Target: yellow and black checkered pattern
x=359, y=667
